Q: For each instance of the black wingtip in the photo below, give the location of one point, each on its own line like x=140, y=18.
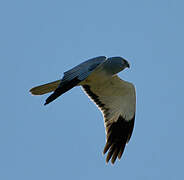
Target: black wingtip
x=46, y=103
x=63, y=87
x=52, y=97
x=118, y=134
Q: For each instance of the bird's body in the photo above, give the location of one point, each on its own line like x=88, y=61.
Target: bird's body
x=113, y=96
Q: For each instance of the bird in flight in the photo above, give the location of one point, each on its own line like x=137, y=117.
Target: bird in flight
x=113, y=96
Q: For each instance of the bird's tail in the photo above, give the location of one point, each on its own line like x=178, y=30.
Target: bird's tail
x=45, y=88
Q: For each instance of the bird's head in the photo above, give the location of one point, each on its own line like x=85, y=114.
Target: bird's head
x=116, y=64
x=123, y=63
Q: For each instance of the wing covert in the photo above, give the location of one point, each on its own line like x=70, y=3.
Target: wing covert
x=84, y=69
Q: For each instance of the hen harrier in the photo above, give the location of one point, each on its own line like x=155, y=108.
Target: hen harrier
x=114, y=97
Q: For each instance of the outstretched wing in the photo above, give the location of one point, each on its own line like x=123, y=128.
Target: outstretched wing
x=74, y=76
x=116, y=99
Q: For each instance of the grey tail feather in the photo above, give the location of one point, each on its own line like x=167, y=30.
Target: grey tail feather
x=45, y=88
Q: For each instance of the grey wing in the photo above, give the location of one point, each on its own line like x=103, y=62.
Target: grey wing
x=74, y=76
x=83, y=70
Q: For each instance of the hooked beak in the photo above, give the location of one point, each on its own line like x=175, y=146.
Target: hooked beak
x=127, y=63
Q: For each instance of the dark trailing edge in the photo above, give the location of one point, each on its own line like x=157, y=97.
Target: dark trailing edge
x=63, y=87
x=94, y=97
x=118, y=133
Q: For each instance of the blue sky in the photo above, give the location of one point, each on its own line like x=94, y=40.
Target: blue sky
x=39, y=40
